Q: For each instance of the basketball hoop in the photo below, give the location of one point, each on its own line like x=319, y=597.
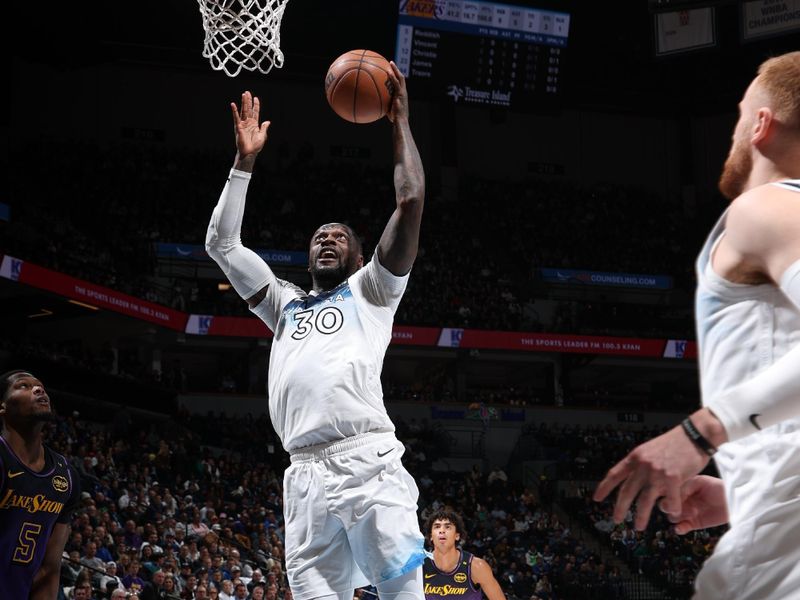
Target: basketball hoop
x=242, y=34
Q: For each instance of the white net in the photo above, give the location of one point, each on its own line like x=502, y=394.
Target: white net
x=242, y=34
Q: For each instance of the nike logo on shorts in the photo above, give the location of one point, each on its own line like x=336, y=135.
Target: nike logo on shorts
x=12, y=475
x=382, y=454
x=754, y=422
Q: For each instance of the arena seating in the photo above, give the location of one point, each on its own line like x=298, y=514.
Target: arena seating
x=129, y=199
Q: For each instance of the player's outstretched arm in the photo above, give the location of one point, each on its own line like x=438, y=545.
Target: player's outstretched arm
x=483, y=576
x=397, y=248
x=248, y=274
x=45, y=583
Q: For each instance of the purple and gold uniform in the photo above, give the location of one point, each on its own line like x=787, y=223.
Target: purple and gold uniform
x=31, y=504
x=454, y=585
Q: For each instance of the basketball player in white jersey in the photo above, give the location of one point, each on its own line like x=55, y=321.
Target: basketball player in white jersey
x=748, y=327
x=349, y=504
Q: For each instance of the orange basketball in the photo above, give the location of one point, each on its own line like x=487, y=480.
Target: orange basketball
x=358, y=87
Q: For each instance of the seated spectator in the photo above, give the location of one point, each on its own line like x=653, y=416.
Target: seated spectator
x=226, y=591
x=170, y=590
x=153, y=589
x=71, y=568
x=110, y=580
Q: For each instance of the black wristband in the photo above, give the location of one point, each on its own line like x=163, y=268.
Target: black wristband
x=697, y=438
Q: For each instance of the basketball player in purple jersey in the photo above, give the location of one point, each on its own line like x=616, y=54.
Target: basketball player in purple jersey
x=453, y=572
x=748, y=331
x=38, y=491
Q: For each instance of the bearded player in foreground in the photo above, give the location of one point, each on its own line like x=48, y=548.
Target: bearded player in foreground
x=748, y=327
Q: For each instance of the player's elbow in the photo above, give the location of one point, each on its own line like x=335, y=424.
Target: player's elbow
x=215, y=254
x=409, y=188
x=212, y=238
x=213, y=250
x=411, y=198
x=215, y=247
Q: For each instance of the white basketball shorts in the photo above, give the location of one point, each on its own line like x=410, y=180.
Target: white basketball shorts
x=758, y=559
x=350, y=509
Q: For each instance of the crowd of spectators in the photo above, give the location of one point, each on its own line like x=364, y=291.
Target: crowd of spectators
x=533, y=553
x=437, y=385
x=122, y=362
x=582, y=452
x=191, y=508
x=167, y=513
x=580, y=456
x=432, y=388
x=96, y=213
x=668, y=559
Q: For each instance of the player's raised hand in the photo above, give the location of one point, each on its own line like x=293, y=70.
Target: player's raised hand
x=399, y=107
x=653, y=470
x=251, y=135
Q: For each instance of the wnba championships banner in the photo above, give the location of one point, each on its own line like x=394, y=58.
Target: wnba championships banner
x=766, y=18
x=442, y=337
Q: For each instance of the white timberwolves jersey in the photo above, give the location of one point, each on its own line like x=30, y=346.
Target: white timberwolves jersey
x=742, y=329
x=327, y=356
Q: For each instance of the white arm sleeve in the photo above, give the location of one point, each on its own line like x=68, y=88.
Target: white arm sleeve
x=246, y=271
x=771, y=396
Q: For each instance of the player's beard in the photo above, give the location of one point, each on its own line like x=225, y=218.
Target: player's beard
x=328, y=277
x=736, y=171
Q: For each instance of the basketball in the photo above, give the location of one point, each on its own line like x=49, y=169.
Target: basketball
x=358, y=87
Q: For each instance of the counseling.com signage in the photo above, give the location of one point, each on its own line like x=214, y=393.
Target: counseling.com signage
x=442, y=337
x=630, y=280
x=90, y=293
x=198, y=252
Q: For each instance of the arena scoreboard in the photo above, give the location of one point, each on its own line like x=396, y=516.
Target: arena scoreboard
x=482, y=53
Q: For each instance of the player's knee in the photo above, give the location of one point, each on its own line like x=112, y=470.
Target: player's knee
x=406, y=587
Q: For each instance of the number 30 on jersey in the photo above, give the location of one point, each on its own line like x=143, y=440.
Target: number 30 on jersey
x=327, y=320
